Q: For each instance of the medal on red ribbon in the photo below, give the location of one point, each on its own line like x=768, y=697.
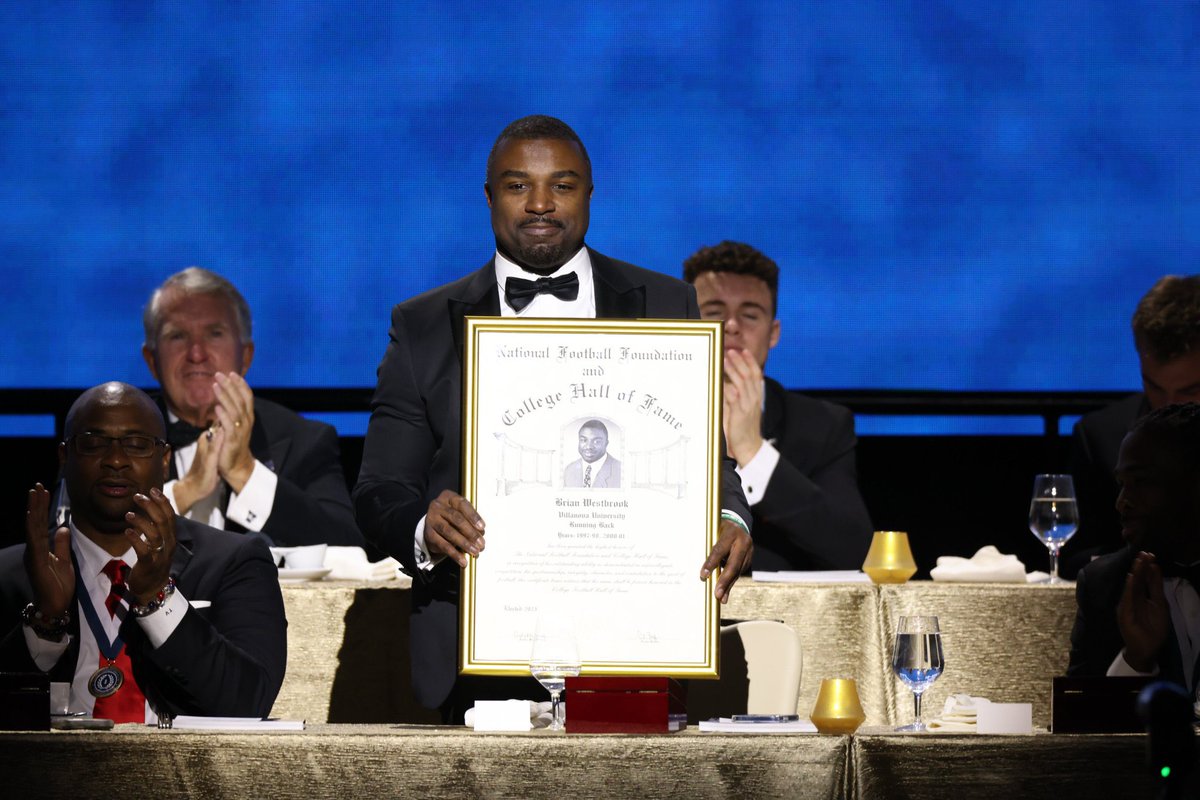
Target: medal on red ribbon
x=106, y=680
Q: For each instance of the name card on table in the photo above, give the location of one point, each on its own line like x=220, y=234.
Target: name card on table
x=1005, y=718
x=502, y=715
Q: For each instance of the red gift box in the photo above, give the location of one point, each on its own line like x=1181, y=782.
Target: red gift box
x=625, y=705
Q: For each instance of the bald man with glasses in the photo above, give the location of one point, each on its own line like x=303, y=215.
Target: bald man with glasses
x=146, y=614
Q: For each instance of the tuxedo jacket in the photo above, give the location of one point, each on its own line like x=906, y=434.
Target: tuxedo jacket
x=607, y=477
x=225, y=659
x=1095, y=444
x=312, y=503
x=811, y=515
x=1096, y=639
x=413, y=446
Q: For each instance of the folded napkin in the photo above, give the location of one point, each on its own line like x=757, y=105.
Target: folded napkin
x=540, y=714
x=350, y=564
x=959, y=714
x=988, y=565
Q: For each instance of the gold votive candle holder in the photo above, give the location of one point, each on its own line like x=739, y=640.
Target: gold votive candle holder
x=890, y=559
x=838, y=709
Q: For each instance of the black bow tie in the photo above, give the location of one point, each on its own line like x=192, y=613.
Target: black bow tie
x=1189, y=572
x=181, y=434
x=519, y=292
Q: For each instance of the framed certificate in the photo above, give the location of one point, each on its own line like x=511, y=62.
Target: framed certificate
x=592, y=451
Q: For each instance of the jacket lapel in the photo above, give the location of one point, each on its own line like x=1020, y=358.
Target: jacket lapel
x=478, y=299
x=183, y=546
x=617, y=297
x=772, y=421
x=271, y=454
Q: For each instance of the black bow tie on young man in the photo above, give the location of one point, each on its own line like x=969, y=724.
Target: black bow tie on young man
x=519, y=292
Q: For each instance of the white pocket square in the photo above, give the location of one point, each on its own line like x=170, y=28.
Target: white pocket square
x=200, y=603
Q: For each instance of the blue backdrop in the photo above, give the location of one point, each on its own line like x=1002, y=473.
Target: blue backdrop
x=961, y=195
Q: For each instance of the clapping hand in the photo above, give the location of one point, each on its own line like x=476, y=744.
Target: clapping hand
x=151, y=533
x=235, y=416
x=48, y=557
x=223, y=451
x=1142, y=614
x=743, y=403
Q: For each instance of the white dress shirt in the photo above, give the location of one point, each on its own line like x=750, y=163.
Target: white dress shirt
x=249, y=508
x=91, y=559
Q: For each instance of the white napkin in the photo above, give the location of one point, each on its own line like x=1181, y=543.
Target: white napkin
x=988, y=565
x=540, y=714
x=350, y=564
x=959, y=714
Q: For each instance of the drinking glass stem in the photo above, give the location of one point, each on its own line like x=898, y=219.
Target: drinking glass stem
x=556, y=715
x=1054, y=564
x=917, y=709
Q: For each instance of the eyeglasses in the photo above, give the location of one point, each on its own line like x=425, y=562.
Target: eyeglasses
x=134, y=445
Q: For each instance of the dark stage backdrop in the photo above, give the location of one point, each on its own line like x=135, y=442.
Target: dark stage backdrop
x=961, y=195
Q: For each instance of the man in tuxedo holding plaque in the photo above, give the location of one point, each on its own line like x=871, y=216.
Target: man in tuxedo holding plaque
x=135, y=607
x=539, y=186
x=1139, y=608
x=795, y=454
x=239, y=462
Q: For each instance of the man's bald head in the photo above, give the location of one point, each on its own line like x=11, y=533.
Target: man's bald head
x=114, y=394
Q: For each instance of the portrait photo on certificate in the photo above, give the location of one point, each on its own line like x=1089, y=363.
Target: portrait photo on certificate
x=592, y=451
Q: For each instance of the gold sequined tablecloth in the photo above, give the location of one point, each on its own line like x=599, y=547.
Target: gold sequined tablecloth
x=1004, y=642
x=840, y=635
x=375, y=761
x=379, y=761
x=348, y=654
x=1042, y=766
x=348, y=644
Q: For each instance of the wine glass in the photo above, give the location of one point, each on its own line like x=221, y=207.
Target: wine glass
x=917, y=659
x=554, y=658
x=1053, y=515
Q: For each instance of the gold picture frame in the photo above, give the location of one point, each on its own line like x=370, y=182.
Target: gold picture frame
x=592, y=449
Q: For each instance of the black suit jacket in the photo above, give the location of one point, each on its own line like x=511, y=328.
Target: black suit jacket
x=1096, y=639
x=224, y=660
x=312, y=503
x=1095, y=443
x=811, y=515
x=413, y=446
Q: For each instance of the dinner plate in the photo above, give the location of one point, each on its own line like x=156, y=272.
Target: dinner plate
x=303, y=574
